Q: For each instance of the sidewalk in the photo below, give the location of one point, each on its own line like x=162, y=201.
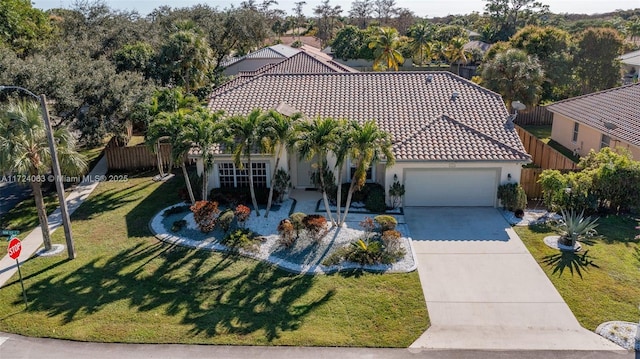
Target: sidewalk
x=32, y=242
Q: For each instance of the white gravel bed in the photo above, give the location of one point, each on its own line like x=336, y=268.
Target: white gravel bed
x=303, y=257
x=554, y=242
x=621, y=333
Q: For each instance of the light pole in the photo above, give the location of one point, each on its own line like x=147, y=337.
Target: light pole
x=66, y=222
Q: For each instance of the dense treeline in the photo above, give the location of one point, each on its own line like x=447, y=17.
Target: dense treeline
x=100, y=67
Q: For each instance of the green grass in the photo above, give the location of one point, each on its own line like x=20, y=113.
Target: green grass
x=543, y=133
x=602, y=282
x=125, y=286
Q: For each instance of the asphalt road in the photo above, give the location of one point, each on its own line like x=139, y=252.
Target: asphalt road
x=10, y=195
x=18, y=347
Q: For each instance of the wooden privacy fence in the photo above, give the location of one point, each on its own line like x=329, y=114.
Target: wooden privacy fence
x=544, y=156
x=135, y=157
x=536, y=116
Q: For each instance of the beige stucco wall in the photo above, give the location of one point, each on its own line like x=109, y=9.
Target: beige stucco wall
x=588, y=137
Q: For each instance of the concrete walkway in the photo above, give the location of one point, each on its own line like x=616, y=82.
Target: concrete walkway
x=483, y=288
x=33, y=241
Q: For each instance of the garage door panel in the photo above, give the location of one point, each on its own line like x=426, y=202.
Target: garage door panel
x=451, y=187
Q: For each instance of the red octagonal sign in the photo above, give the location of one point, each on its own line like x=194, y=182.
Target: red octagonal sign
x=14, y=248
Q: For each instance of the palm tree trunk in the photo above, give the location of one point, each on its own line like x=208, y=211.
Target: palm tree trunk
x=273, y=177
x=188, y=183
x=205, y=182
x=349, y=195
x=324, y=192
x=159, y=158
x=253, y=192
x=339, y=197
x=36, y=188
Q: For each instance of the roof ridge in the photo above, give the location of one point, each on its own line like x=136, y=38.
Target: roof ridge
x=490, y=138
x=613, y=89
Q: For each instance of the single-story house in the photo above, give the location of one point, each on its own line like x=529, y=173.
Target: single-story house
x=257, y=59
x=609, y=118
x=630, y=67
x=453, y=140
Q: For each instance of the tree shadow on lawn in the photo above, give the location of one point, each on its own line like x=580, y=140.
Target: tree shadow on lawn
x=574, y=262
x=219, y=297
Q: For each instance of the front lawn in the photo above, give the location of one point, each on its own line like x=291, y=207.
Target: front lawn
x=602, y=282
x=126, y=286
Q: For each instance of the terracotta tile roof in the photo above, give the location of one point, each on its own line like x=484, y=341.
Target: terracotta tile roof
x=619, y=106
x=271, y=52
x=419, y=109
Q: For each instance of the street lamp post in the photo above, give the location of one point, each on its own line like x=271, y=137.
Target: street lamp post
x=66, y=222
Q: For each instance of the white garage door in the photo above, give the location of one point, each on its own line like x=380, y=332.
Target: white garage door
x=450, y=187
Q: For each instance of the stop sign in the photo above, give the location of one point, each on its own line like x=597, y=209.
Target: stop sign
x=14, y=248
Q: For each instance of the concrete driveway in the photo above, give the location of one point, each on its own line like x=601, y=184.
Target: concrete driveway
x=484, y=290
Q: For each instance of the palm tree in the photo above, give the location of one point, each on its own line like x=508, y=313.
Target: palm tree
x=341, y=151
x=173, y=126
x=456, y=53
x=385, y=45
x=24, y=150
x=315, y=139
x=205, y=130
x=278, y=131
x=247, y=133
x=420, y=35
x=368, y=146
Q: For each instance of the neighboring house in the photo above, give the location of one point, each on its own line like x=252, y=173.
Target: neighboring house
x=452, y=139
x=609, y=118
x=630, y=67
x=257, y=59
x=305, y=40
x=476, y=49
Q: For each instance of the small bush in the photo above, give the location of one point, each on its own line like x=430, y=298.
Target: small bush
x=391, y=240
x=281, y=184
x=375, y=201
x=204, y=214
x=231, y=197
x=175, y=210
x=297, y=222
x=368, y=225
x=315, y=224
x=386, y=222
x=178, y=225
x=512, y=196
x=225, y=219
x=363, y=252
x=242, y=238
x=242, y=213
x=287, y=233
x=396, y=192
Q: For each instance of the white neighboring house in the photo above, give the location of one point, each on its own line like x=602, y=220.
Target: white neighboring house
x=451, y=138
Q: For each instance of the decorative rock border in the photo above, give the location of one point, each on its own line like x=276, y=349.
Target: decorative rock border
x=55, y=249
x=621, y=333
x=553, y=242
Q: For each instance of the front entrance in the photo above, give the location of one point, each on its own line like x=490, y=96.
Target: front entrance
x=304, y=169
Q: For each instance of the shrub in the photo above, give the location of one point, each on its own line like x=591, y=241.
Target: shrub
x=242, y=238
x=512, y=196
x=231, y=197
x=375, y=201
x=178, y=225
x=204, y=214
x=571, y=190
x=175, y=210
x=362, y=194
x=368, y=225
x=286, y=232
x=574, y=227
x=329, y=181
x=225, y=219
x=363, y=252
x=391, y=240
x=315, y=224
x=281, y=183
x=242, y=213
x=297, y=222
x=396, y=192
x=386, y=222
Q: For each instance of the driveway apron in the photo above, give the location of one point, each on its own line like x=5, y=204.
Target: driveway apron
x=483, y=288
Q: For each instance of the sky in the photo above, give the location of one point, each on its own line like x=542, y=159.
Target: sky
x=422, y=8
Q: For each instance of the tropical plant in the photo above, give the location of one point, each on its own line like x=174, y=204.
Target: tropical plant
x=368, y=226
x=456, y=53
x=421, y=34
x=247, y=132
x=24, y=151
x=286, y=231
x=225, y=219
x=278, y=131
x=385, y=222
x=512, y=196
x=205, y=214
x=314, y=139
x=368, y=146
x=575, y=227
x=385, y=44
x=242, y=214
x=315, y=225
x=364, y=252
x=281, y=183
x=391, y=240
x=396, y=192
x=297, y=222
x=242, y=238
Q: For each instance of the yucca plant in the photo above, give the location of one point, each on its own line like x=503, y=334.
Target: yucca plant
x=575, y=227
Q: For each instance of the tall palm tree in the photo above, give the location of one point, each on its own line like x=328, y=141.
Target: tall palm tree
x=456, y=53
x=24, y=150
x=278, y=132
x=173, y=126
x=205, y=129
x=315, y=139
x=341, y=151
x=385, y=45
x=247, y=133
x=368, y=146
x=420, y=35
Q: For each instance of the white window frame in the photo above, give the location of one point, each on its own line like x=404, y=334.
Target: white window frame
x=351, y=167
x=237, y=172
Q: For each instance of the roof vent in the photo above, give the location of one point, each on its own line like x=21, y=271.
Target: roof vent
x=454, y=95
x=429, y=78
x=510, y=124
x=610, y=126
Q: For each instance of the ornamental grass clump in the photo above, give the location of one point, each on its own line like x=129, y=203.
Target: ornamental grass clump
x=205, y=215
x=574, y=227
